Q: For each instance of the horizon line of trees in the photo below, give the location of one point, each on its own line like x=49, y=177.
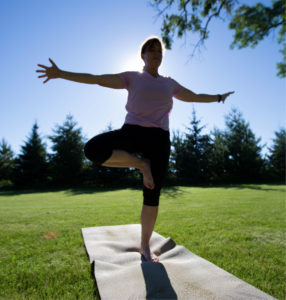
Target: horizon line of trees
x=232, y=155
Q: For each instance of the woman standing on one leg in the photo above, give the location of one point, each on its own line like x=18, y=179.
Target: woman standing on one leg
x=145, y=130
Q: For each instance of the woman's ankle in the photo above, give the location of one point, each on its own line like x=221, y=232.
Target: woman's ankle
x=144, y=245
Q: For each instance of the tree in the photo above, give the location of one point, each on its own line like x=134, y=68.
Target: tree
x=177, y=148
x=7, y=161
x=66, y=163
x=243, y=160
x=218, y=156
x=250, y=23
x=31, y=164
x=277, y=155
x=190, y=155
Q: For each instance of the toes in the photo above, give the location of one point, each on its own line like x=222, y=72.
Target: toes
x=149, y=186
x=155, y=259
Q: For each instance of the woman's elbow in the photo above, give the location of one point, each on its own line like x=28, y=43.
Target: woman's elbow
x=187, y=96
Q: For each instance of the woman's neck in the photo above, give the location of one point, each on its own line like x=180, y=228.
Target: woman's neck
x=152, y=71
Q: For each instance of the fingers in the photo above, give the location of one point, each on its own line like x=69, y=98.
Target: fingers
x=42, y=66
x=224, y=96
x=41, y=76
x=46, y=69
x=52, y=62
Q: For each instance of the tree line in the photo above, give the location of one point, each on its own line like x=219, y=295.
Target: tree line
x=232, y=155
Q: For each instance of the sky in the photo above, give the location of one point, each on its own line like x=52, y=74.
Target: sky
x=104, y=37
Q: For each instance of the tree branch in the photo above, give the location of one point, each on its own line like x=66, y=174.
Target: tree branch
x=201, y=40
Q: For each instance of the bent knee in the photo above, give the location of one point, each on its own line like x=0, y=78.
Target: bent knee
x=96, y=151
x=88, y=151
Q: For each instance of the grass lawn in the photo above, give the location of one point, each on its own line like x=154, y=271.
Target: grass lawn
x=239, y=228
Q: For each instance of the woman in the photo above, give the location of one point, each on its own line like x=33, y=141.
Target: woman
x=145, y=130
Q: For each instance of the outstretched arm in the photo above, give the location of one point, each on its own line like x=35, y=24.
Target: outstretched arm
x=112, y=81
x=189, y=96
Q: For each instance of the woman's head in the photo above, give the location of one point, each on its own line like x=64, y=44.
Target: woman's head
x=151, y=51
x=150, y=43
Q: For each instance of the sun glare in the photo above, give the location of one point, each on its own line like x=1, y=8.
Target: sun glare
x=133, y=63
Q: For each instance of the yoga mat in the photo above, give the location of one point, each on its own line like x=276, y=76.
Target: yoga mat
x=122, y=273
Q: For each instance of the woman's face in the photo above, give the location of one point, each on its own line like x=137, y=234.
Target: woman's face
x=153, y=56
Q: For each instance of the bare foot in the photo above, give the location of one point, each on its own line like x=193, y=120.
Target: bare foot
x=147, y=174
x=145, y=251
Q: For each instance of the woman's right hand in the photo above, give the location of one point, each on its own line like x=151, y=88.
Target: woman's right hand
x=49, y=72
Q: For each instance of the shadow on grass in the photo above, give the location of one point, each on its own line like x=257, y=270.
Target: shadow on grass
x=69, y=190
x=258, y=187
x=80, y=191
x=171, y=190
x=17, y=192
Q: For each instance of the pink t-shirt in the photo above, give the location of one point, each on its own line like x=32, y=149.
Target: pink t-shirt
x=149, y=99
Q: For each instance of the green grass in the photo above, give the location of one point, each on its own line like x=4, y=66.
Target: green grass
x=42, y=256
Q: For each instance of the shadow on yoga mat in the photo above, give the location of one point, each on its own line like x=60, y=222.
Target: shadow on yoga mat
x=158, y=284
x=122, y=273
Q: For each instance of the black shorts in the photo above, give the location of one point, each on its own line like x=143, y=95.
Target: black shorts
x=150, y=142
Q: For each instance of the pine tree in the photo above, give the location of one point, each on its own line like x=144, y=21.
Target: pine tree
x=7, y=161
x=177, y=146
x=277, y=155
x=190, y=155
x=31, y=169
x=66, y=163
x=218, y=156
x=243, y=161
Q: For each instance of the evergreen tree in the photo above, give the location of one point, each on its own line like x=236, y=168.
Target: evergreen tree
x=176, y=158
x=66, y=163
x=31, y=168
x=277, y=155
x=243, y=161
x=7, y=161
x=190, y=155
x=177, y=148
x=218, y=156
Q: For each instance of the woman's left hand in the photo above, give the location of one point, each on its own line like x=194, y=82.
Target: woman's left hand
x=223, y=96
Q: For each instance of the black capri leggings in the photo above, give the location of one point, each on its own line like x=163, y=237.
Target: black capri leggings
x=150, y=142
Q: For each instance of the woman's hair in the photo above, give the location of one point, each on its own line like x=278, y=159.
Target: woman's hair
x=149, y=43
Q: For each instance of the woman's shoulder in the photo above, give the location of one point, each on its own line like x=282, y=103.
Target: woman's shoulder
x=132, y=72
x=166, y=77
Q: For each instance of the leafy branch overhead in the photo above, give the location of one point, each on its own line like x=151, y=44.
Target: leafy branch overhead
x=251, y=24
